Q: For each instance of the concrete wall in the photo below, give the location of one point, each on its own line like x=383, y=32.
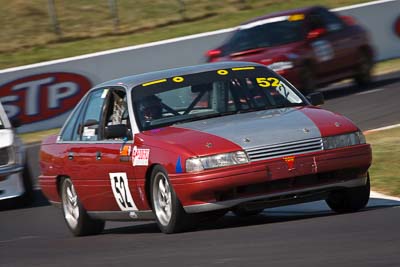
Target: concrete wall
x=41, y=95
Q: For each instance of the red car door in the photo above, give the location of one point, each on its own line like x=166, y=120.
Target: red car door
x=102, y=175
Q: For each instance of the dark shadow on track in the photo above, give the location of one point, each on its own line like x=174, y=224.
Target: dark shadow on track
x=39, y=200
x=268, y=216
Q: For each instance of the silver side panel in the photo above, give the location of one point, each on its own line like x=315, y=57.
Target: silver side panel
x=231, y=203
x=259, y=129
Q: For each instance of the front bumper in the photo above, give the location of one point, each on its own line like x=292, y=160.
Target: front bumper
x=11, y=181
x=268, y=179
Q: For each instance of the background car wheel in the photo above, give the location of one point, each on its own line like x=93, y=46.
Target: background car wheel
x=307, y=78
x=240, y=211
x=363, y=76
x=170, y=215
x=76, y=217
x=350, y=199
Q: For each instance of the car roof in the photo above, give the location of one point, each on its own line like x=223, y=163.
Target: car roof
x=303, y=10
x=134, y=80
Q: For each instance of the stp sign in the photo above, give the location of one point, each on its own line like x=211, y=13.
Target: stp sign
x=43, y=96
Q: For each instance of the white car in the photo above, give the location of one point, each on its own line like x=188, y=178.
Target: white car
x=15, y=180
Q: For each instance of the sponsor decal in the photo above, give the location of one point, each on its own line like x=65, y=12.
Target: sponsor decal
x=140, y=156
x=178, y=168
x=314, y=165
x=121, y=191
x=43, y=96
x=290, y=162
x=125, y=152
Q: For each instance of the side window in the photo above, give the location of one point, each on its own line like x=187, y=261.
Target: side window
x=117, y=115
x=70, y=127
x=88, y=129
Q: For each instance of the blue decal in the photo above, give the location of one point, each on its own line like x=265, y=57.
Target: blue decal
x=178, y=168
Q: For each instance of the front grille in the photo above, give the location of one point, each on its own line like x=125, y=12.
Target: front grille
x=4, y=156
x=284, y=149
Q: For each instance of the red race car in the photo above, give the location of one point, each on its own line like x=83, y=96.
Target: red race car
x=192, y=142
x=309, y=47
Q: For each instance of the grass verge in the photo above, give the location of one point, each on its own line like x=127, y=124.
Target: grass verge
x=385, y=169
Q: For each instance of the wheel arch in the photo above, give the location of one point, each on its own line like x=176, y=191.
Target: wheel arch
x=367, y=50
x=148, y=183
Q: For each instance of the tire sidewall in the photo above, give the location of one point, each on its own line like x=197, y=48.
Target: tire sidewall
x=176, y=208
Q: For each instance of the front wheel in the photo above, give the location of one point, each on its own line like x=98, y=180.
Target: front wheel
x=349, y=199
x=76, y=217
x=170, y=215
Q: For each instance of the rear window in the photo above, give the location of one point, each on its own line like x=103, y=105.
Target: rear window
x=266, y=33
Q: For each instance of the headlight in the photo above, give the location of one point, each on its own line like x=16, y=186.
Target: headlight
x=281, y=65
x=343, y=140
x=216, y=161
x=7, y=156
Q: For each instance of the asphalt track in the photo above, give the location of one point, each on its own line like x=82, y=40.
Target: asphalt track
x=300, y=235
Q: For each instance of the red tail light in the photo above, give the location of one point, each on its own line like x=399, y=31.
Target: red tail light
x=213, y=53
x=349, y=20
x=316, y=33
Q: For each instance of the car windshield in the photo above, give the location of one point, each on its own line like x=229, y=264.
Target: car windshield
x=180, y=99
x=265, y=33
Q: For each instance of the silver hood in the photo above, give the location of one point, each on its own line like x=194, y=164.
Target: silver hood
x=261, y=128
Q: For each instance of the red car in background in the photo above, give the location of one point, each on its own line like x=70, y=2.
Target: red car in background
x=310, y=47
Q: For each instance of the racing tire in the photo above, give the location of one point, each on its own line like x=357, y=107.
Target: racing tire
x=240, y=211
x=170, y=215
x=307, y=79
x=363, y=75
x=75, y=216
x=349, y=199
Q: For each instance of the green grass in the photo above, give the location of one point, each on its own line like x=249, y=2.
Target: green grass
x=385, y=169
x=87, y=25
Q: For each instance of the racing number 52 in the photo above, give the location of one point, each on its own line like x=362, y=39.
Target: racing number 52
x=267, y=82
x=122, y=194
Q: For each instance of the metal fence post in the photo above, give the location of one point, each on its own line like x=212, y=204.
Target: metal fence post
x=53, y=17
x=114, y=13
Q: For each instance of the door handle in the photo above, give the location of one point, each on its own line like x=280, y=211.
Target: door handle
x=98, y=155
x=70, y=155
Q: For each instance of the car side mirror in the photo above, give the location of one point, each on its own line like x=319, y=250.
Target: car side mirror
x=116, y=131
x=314, y=34
x=316, y=99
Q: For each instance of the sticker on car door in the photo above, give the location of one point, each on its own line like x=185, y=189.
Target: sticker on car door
x=323, y=50
x=121, y=191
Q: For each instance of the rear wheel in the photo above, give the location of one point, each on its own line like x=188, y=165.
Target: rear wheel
x=349, y=199
x=363, y=75
x=76, y=217
x=170, y=215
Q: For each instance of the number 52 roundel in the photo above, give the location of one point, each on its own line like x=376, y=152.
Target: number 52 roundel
x=122, y=194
